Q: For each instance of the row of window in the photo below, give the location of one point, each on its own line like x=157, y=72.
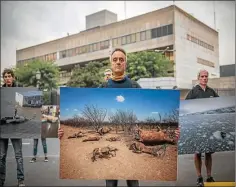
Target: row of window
x=119, y=41
x=205, y=62
x=47, y=58
x=200, y=42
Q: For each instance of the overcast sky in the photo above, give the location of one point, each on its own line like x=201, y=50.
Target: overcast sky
x=24, y=24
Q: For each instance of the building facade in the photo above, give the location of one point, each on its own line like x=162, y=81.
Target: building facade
x=227, y=70
x=191, y=44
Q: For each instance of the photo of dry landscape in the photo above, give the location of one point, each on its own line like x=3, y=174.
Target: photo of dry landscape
x=20, y=112
x=50, y=121
x=124, y=134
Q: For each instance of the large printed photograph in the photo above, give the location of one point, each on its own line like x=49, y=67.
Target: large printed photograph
x=207, y=125
x=20, y=112
x=109, y=132
x=50, y=121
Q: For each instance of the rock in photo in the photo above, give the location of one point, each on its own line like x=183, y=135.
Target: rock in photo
x=119, y=134
x=20, y=112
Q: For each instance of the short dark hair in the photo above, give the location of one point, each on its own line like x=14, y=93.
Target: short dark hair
x=8, y=71
x=118, y=49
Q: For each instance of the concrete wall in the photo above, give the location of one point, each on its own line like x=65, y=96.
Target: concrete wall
x=187, y=52
x=220, y=83
x=101, y=18
x=133, y=47
x=133, y=25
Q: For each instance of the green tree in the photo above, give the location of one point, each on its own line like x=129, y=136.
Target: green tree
x=147, y=64
x=26, y=75
x=91, y=75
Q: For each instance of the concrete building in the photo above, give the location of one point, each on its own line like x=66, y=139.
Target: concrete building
x=29, y=98
x=191, y=44
x=101, y=18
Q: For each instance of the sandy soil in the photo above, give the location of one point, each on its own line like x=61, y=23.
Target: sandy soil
x=75, y=161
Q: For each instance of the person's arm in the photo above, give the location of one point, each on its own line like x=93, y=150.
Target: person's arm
x=215, y=94
x=190, y=95
x=135, y=84
x=103, y=85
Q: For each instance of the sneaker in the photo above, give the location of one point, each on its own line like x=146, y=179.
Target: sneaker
x=200, y=182
x=21, y=183
x=33, y=160
x=210, y=179
x=46, y=159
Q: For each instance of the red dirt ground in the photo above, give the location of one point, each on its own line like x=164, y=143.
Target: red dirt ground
x=75, y=161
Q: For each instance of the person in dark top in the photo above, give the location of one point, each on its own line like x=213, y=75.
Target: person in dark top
x=107, y=74
x=9, y=81
x=202, y=91
x=119, y=79
x=118, y=66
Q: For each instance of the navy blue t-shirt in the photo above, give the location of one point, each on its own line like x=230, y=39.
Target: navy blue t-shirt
x=125, y=83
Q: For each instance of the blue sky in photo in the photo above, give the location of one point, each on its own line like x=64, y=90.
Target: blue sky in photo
x=143, y=102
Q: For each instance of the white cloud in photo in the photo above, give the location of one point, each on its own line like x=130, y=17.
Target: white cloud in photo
x=155, y=112
x=75, y=110
x=120, y=98
x=67, y=109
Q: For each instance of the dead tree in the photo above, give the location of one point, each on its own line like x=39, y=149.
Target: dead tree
x=131, y=120
x=151, y=122
x=114, y=120
x=95, y=116
x=173, y=117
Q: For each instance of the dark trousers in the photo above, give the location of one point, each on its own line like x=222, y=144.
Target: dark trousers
x=44, y=144
x=17, y=145
x=114, y=183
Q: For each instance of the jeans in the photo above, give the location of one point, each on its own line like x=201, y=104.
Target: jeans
x=44, y=143
x=114, y=183
x=17, y=145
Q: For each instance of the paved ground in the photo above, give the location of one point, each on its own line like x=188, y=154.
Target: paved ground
x=47, y=174
x=29, y=129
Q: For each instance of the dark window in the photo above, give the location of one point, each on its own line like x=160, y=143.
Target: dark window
x=114, y=42
x=128, y=39
x=90, y=48
x=98, y=46
x=123, y=40
x=106, y=44
x=133, y=38
x=69, y=53
x=170, y=29
x=77, y=50
x=159, y=33
x=63, y=54
x=143, y=35
x=154, y=33
x=164, y=31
